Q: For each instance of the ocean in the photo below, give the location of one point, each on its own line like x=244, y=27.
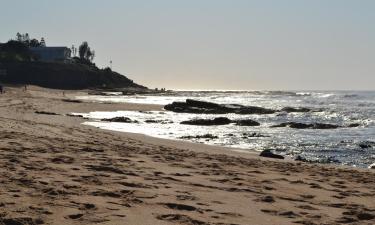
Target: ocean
x=353, y=146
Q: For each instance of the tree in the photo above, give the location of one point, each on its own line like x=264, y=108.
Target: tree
x=82, y=50
x=18, y=37
x=34, y=43
x=85, y=53
x=28, y=41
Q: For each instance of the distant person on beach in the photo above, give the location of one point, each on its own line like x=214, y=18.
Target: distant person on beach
x=1, y=89
x=25, y=89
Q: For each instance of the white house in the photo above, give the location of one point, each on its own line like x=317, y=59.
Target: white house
x=52, y=54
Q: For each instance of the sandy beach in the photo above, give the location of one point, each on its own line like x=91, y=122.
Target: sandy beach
x=53, y=170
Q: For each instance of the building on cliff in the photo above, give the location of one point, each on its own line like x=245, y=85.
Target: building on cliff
x=52, y=54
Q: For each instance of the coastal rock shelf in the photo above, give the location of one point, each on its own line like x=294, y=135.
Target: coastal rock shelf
x=201, y=107
x=312, y=125
x=220, y=121
x=121, y=119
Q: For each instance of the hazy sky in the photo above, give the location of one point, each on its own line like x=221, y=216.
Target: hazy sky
x=213, y=44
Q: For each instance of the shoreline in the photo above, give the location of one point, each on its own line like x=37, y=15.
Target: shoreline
x=54, y=170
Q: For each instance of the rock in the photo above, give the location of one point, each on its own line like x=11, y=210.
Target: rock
x=75, y=216
x=158, y=121
x=46, y=113
x=294, y=125
x=292, y=109
x=307, y=126
x=354, y=125
x=324, y=126
x=121, y=119
x=74, y=115
x=152, y=121
x=208, y=122
x=206, y=136
x=247, y=122
x=72, y=100
x=254, y=134
x=202, y=107
x=267, y=153
x=366, y=144
x=363, y=145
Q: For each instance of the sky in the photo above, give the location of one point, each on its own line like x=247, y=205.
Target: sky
x=213, y=44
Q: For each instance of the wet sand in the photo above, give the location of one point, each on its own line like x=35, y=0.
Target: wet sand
x=53, y=170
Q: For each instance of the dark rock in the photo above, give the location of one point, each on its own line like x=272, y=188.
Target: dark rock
x=46, y=113
x=247, y=122
x=324, y=126
x=158, y=121
x=267, y=153
x=72, y=100
x=206, y=136
x=363, y=145
x=201, y=107
x=75, y=216
x=366, y=144
x=294, y=125
x=208, y=122
x=292, y=109
x=354, y=125
x=254, y=134
x=152, y=121
x=121, y=119
x=73, y=115
x=307, y=126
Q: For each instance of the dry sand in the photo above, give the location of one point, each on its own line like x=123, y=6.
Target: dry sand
x=53, y=170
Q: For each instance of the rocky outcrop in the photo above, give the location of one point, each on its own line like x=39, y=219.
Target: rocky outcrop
x=205, y=136
x=269, y=154
x=121, y=119
x=307, y=126
x=366, y=144
x=220, y=121
x=208, y=122
x=158, y=121
x=354, y=125
x=254, y=134
x=201, y=107
x=246, y=122
x=47, y=113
